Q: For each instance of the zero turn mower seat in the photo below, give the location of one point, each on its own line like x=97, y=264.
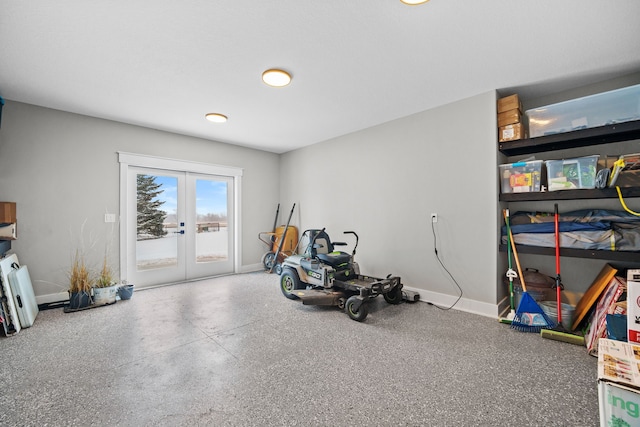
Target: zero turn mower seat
x=325, y=252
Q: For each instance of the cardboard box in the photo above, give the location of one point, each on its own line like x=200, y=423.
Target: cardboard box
x=633, y=305
x=7, y=212
x=507, y=103
x=619, y=405
x=9, y=232
x=618, y=383
x=511, y=132
x=509, y=117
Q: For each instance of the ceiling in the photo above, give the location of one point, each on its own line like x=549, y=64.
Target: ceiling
x=355, y=63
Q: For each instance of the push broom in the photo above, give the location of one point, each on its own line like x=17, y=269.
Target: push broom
x=559, y=333
x=529, y=316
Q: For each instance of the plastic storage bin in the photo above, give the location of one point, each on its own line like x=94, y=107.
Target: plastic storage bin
x=571, y=174
x=520, y=177
x=616, y=106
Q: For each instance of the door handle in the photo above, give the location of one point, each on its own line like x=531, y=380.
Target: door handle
x=179, y=232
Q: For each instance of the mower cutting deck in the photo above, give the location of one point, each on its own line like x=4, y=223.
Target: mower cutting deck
x=323, y=276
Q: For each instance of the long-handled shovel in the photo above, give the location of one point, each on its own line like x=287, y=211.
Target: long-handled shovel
x=275, y=221
x=276, y=262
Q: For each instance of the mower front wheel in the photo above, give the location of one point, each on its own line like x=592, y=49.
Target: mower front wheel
x=356, y=314
x=289, y=282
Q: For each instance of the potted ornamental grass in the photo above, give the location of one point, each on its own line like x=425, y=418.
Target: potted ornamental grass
x=105, y=286
x=80, y=283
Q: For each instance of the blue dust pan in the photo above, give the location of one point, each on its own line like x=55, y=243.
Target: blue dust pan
x=530, y=317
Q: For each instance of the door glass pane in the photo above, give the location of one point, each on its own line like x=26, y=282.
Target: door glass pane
x=157, y=222
x=212, y=237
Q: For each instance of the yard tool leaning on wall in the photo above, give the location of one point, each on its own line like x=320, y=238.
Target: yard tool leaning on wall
x=559, y=333
x=277, y=263
x=511, y=274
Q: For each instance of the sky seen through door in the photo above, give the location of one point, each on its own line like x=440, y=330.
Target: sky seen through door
x=211, y=196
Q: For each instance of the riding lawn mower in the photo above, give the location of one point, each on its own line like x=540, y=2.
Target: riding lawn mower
x=321, y=275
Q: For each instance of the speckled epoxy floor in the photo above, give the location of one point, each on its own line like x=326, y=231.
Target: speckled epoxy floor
x=232, y=351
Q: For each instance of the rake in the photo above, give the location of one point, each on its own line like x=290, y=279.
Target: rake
x=529, y=316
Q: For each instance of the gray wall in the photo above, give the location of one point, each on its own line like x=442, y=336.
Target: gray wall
x=385, y=181
x=63, y=172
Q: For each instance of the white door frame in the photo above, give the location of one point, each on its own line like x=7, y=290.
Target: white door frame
x=130, y=159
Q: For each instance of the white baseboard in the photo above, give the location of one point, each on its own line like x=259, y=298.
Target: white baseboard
x=467, y=305
x=250, y=268
x=64, y=296
x=49, y=298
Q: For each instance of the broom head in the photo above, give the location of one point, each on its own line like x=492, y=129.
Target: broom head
x=530, y=317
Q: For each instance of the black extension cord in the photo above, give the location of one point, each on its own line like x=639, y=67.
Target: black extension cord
x=435, y=250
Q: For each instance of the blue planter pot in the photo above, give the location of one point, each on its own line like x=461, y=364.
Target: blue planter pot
x=125, y=291
x=79, y=300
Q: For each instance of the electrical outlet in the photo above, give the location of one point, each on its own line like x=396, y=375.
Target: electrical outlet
x=109, y=217
x=434, y=217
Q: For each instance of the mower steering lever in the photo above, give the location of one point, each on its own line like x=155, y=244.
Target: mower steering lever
x=355, y=234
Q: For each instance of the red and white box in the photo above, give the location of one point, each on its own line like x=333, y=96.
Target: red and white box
x=633, y=305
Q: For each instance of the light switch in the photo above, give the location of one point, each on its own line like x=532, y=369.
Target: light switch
x=109, y=217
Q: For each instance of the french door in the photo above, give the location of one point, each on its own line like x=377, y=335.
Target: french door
x=178, y=225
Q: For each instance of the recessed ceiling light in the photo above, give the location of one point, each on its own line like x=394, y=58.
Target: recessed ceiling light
x=216, y=117
x=276, y=78
x=414, y=2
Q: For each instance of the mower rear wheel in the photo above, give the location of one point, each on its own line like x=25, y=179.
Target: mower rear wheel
x=394, y=296
x=361, y=313
x=289, y=282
